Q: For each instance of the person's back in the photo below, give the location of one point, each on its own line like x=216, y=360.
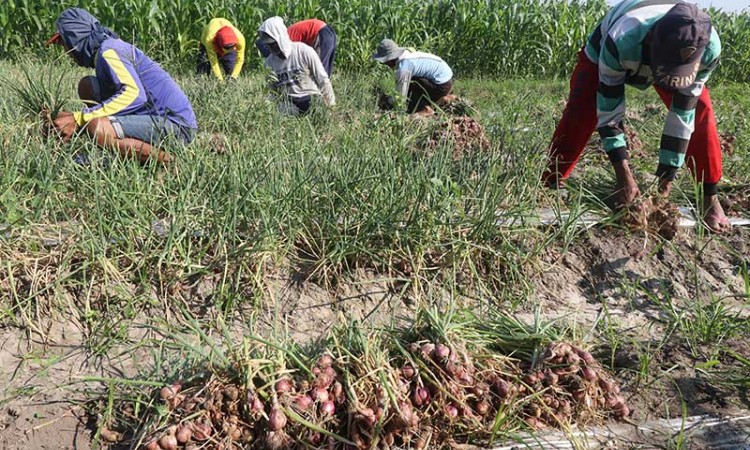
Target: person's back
x=425, y=65
x=305, y=31
x=156, y=92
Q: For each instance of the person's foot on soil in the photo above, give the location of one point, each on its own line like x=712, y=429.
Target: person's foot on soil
x=713, y=215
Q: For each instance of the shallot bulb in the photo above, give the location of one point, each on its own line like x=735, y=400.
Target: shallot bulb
x=276, y=419
x=328, y=408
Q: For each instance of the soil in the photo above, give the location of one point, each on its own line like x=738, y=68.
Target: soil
x=605, y=275
x=466, y=135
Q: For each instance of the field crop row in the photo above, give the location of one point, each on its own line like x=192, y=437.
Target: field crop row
x=527, y=38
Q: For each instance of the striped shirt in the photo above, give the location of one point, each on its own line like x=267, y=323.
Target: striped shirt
x=617, y=47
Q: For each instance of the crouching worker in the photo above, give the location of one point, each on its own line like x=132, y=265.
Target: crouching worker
x=315, y=33
x=135, y=104
x=222, y=50
x=421, y=77
x=672, y=46
x=299, y=74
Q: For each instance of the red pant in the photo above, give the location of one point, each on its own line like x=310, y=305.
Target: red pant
x=579, y=122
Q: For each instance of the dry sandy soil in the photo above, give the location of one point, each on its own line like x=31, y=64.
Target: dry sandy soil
x=605, y=277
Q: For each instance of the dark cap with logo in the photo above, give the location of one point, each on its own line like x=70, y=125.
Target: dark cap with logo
x=677, y=45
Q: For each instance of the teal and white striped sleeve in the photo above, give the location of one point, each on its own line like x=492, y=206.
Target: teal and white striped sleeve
x=680, y=121
x=610, y=101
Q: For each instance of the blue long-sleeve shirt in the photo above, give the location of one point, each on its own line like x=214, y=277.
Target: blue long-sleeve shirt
x=140, y=86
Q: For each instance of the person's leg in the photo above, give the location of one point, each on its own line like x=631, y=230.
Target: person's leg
x=89, y=90
x=577, y=124
x=227, y=62
x=327, y=41
x=106, y=136
x=703, y=158
x=203, y=66
x=419, y=95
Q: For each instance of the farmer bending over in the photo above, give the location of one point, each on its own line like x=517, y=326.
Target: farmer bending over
x=668, y=44
x=299, y=73
x=134, y=102
x=421, y=77
x=315, y=33
x=222, y=50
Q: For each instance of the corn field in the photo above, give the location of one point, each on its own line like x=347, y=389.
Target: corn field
x=520, y=38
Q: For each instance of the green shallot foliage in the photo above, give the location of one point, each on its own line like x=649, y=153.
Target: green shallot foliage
x=40, y=92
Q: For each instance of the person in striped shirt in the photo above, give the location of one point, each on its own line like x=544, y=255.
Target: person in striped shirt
x=315, y=33
x=133, y=104
x=222, y=50
x=672, y=46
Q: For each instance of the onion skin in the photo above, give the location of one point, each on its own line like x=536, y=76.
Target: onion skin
x=323, y=380
x=325, y=361
x=427, y=349
x=337, y=390
x=589, y=374
x=153, y=445
x=451, y=411
x=408, y=372
x=276, y=419
x=168, y=442
x=328, y=408
x=201, y=431
x=441, y=352
x=169, y=392
x=184, y=433
x=482, y=408
x=283, y=386
x=320, y=394
x=303, y=402
x=257, y=405
x=502, y=388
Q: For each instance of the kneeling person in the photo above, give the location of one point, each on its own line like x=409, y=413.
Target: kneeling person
x=300, y=75
x=135, y=104
x=420, y=77
x=222, y=50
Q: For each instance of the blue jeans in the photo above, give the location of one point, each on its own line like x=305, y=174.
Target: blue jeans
x=151, y=129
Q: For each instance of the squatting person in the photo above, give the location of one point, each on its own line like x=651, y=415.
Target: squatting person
x=315, y=33
x=422, y=78
x=668, y=44
x=299, y=73
x=222, y=50
x=135, y=104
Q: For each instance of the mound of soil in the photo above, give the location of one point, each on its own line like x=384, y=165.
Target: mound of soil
x=727, y=143
x=464, y=133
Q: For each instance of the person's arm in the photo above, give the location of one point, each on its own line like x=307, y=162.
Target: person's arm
x=129, y=96
x=240, y=49
x=680, y=122
x=319, y=75
x=213, y=59
x=610, y=102
x=403, y=78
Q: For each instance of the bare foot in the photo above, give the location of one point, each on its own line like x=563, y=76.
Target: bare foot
x=713, y=215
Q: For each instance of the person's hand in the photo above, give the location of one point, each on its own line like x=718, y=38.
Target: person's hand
x=66, y=125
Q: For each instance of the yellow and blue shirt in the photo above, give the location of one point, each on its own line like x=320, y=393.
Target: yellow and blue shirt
x=140, y=86
x=207, y=40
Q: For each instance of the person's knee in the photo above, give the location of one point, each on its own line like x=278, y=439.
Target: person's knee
x=88, y=89
x=101, y=129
